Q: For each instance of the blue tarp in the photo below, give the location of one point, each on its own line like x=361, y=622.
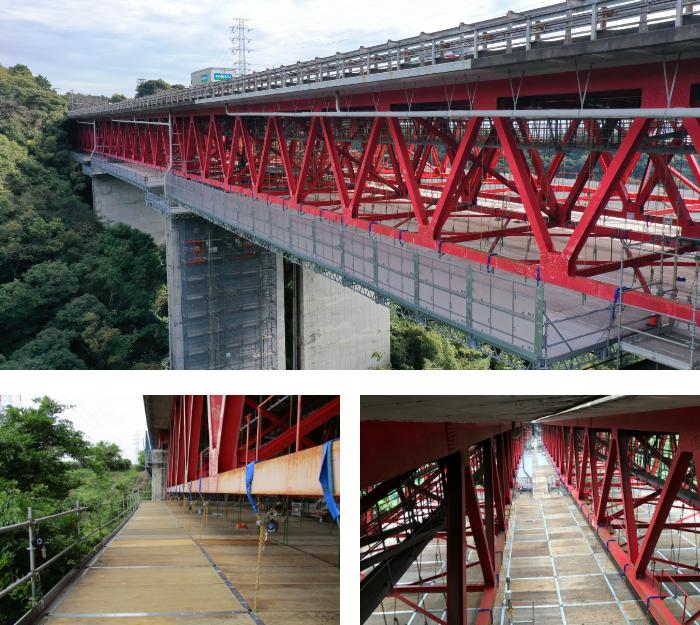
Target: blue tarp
x=326, y=479
x=249, y=471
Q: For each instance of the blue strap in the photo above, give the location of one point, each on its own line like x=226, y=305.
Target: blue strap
x=249, y=471
x=200, y=485
x=326, y=479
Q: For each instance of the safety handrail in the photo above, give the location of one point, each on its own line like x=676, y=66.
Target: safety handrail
x=563, y=21
x=127, y=504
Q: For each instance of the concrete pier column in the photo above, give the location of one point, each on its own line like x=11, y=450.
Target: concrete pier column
x=174, y=267
x=159, y=470
x=117, y=201
x=339, y=328
x=222, y=299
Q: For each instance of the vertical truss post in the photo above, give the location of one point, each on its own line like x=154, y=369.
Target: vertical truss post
x=581, y=481
x=627, y=498
x=572, y=457
x=593, y=459
x=607, y=479
x=487, y=449
x=476, y=523
x=456, y=539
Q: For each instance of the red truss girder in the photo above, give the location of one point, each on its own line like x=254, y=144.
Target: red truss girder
x=575, y=448
x=316, y=166
x=491, y=452
x=225, y=427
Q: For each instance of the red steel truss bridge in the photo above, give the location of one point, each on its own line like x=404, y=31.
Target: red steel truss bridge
x=440, y=478
x=529, y=185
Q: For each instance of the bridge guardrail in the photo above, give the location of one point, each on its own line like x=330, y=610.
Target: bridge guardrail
x=561, y=23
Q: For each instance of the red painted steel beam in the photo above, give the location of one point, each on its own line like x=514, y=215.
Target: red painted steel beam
x=676, y=476
x=276, y=422
x=311, y=422
x=391, y=448
x=193, y=425
x=456, y=514
x=225, y=418
x=480, y=531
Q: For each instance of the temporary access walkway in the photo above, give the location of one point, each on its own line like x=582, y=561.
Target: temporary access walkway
x=155, y=572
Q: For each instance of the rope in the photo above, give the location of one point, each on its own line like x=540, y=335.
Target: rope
x=257, y=574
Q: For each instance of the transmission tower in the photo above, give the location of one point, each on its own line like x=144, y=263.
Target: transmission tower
x=240, y=43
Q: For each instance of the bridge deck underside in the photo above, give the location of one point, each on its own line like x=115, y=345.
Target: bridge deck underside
x=155, y=572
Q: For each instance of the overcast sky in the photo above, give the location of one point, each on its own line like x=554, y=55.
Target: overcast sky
x=109, y=418
x=103, y=47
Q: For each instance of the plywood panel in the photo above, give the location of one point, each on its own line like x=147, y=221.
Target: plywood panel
x=214, y=619
x=569, y=547
x=530, y=549
x=284, y=575
x=162, y=542
x=529, y=534
x=128, y=532
x=585, y=589
x=531, y=567
x=309, y=618
x=292, y=598
x=576, y=565
x=171, y=598
x=561, y=522
x=607, y=614
x=150, y=577
x=564, y=533
x=301, y=559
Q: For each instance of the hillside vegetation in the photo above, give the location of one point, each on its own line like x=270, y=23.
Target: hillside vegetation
x=47, y=465
x=74, y=293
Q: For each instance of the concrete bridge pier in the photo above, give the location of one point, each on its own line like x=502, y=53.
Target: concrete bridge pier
x=118, y=201
x=338, y=328
x=223, y=300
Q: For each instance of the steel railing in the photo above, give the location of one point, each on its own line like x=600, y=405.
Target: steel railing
x=562, y=23
x=125, y=506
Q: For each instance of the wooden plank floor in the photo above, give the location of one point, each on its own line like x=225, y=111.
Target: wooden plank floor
x=154, y=572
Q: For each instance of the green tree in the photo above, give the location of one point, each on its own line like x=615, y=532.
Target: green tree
x=33, y=443
x=109, y=456
x=141, y=464
x=117, y=97
x=43, y=82
x=177, y=86
x=151, y=87
x=49, y=350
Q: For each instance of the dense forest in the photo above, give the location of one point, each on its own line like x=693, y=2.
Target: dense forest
x=74, y=293
x=47, y=465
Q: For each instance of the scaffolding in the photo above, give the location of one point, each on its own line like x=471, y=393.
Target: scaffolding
x=229, y=299
x=665, y=339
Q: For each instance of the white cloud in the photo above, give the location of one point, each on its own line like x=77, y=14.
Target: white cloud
x=102, y=48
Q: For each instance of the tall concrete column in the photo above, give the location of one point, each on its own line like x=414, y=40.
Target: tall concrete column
x=159, y=468
x=173, y=261
x=117, y=201
x=339, y=328
x=222, y=299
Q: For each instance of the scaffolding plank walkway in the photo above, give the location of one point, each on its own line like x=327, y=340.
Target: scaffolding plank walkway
x=155, y=572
